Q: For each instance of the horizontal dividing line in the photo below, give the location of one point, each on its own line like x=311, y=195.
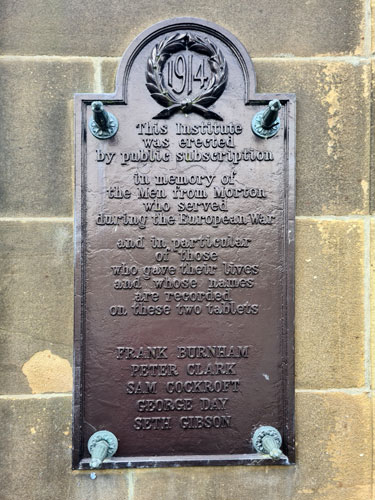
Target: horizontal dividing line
x=349, y=390
x=104, y=472
x=287, y=57
x=46, y=58
x=355, y=60
x=36, y=219
x=336, y=217
x=49, y=395
x=108, y=58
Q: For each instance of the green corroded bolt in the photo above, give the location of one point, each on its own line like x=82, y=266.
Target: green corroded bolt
x=271, y=113
x=271, y=446
x=100, y=115
x=266, y=123
x=101, y=445
x=103, y=125
x=267, y=440
x=99, y=453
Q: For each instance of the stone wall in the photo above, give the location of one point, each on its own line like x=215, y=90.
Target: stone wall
x=322, y=51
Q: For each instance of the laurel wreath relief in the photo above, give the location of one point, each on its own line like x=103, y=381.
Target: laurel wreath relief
x=199, y=104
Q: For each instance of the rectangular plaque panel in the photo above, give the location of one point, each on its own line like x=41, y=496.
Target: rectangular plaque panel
x=184, y=256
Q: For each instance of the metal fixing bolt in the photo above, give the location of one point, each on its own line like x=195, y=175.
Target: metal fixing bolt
x=266, y=123
x=267, y=440
x=103, y=125
x=101, y=445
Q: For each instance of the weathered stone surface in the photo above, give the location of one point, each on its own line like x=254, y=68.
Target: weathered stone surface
x=334, y=459
x=372, y=300
x=37, y=137
x=372, y=163
x=109, y=69
x=333, y=130
x=46, y=372
x=64, y=28
x=329, y=466
x=36, y=261
x=373, y=448
x=36, y=448
x=333, y=157
x=329, y=304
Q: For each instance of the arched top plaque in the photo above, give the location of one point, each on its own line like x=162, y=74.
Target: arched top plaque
x=184, y=259
x=205, y=30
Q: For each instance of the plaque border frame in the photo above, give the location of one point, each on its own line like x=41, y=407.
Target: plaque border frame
x=81, y=102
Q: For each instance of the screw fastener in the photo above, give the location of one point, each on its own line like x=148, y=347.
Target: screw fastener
x=103, y=125
x=267, y=440
x=266, y=123
x=101, y=445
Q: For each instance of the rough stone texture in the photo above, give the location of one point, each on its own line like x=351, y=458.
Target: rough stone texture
x=373, y=448
x=36, y=455
x=109, y=69
x=47, y=372
x=372, y=298
x=372, y=166
x=35, y=447
x=334, y=451
x=333, y=130
x=36, y=297
x=329, y=304
x=272, y=28
x=334, y=430
x=329, y=466
x=37, y=140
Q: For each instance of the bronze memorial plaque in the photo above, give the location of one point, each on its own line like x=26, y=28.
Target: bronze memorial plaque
x=184, y=259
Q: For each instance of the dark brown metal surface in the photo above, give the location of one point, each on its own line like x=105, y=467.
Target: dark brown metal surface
x=184, y=258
